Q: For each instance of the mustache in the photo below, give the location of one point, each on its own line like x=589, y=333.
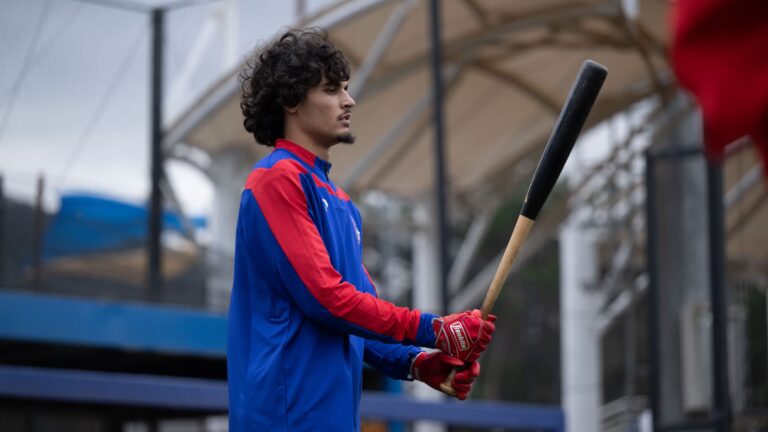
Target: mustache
x=346, y=112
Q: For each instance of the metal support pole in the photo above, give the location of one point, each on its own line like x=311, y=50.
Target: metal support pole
x=721, y=412
x=440, y=180
x=580, y=364
x=37, y=252
x=653, y=290
x=630, y=356
x=154, y=276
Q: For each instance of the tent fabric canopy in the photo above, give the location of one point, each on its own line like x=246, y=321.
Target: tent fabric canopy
x=508, y=68
x=87, y=224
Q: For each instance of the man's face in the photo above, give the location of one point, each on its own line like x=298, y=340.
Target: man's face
x=325, y=114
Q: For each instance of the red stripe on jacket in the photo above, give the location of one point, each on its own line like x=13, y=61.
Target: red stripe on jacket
x=280, y=196
x=338, y=192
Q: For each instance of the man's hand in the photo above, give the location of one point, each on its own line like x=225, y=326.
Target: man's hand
x=463, y=335
x=433, y=368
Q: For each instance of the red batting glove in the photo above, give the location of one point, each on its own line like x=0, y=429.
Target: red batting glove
x=433, y=368
x=463, y=335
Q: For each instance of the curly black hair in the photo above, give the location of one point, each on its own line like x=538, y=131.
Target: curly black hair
x=281, y=75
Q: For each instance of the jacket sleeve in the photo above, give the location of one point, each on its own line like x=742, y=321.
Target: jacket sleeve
x=306, y=269
x=391, y=359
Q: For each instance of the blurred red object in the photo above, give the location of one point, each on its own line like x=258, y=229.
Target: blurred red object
x=720, y=54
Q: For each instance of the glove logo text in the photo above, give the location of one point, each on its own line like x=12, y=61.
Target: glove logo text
x=458, y=332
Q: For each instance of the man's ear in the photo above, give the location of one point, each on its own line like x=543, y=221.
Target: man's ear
x=291, y=110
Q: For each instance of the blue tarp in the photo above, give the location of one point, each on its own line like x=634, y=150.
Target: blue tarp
x=88, y=223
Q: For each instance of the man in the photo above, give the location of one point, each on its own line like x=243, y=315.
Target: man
x=304, y=313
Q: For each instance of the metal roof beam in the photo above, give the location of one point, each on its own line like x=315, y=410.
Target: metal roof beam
x=387, y=140
x=380, y=45
x=181, y=81
x=383, y=170
x=340, y=12
x=391, y=136
x=468, y=248
x=614, y=309
x=336, y=14
x=516, y=81
x=633, y=34
x=744, y=215
x=456, y=50
x=744, y=185
x=546, y=228
x=216, y=98
x=482, y=17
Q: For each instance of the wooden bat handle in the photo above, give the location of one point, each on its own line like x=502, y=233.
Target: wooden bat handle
x=519, y=234
x=446, y=386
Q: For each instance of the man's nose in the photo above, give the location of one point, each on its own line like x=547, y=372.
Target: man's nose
x=348, y=101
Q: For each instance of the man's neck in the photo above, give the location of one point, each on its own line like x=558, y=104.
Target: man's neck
x=318, y=150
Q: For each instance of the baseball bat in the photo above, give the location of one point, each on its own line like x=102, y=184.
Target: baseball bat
x=583, y=93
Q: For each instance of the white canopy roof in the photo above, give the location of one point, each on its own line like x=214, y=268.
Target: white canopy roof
x=508, y=68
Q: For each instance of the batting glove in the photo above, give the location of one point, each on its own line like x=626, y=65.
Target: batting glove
x=433, y=368
x=463, y=335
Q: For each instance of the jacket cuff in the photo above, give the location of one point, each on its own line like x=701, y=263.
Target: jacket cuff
x=411, y=376
x=425, y=335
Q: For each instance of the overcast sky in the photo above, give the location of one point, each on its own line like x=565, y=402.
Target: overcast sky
x=74, y=88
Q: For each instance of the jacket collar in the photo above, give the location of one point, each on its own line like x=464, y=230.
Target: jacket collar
x=305, y=155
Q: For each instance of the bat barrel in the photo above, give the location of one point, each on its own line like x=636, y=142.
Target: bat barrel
x=572, y=117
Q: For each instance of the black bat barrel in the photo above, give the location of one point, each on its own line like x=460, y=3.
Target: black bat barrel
x=572, y=117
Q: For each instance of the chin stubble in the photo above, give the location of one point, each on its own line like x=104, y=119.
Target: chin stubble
x=346, y=138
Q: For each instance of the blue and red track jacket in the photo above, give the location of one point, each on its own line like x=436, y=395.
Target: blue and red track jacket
x=304, y=313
